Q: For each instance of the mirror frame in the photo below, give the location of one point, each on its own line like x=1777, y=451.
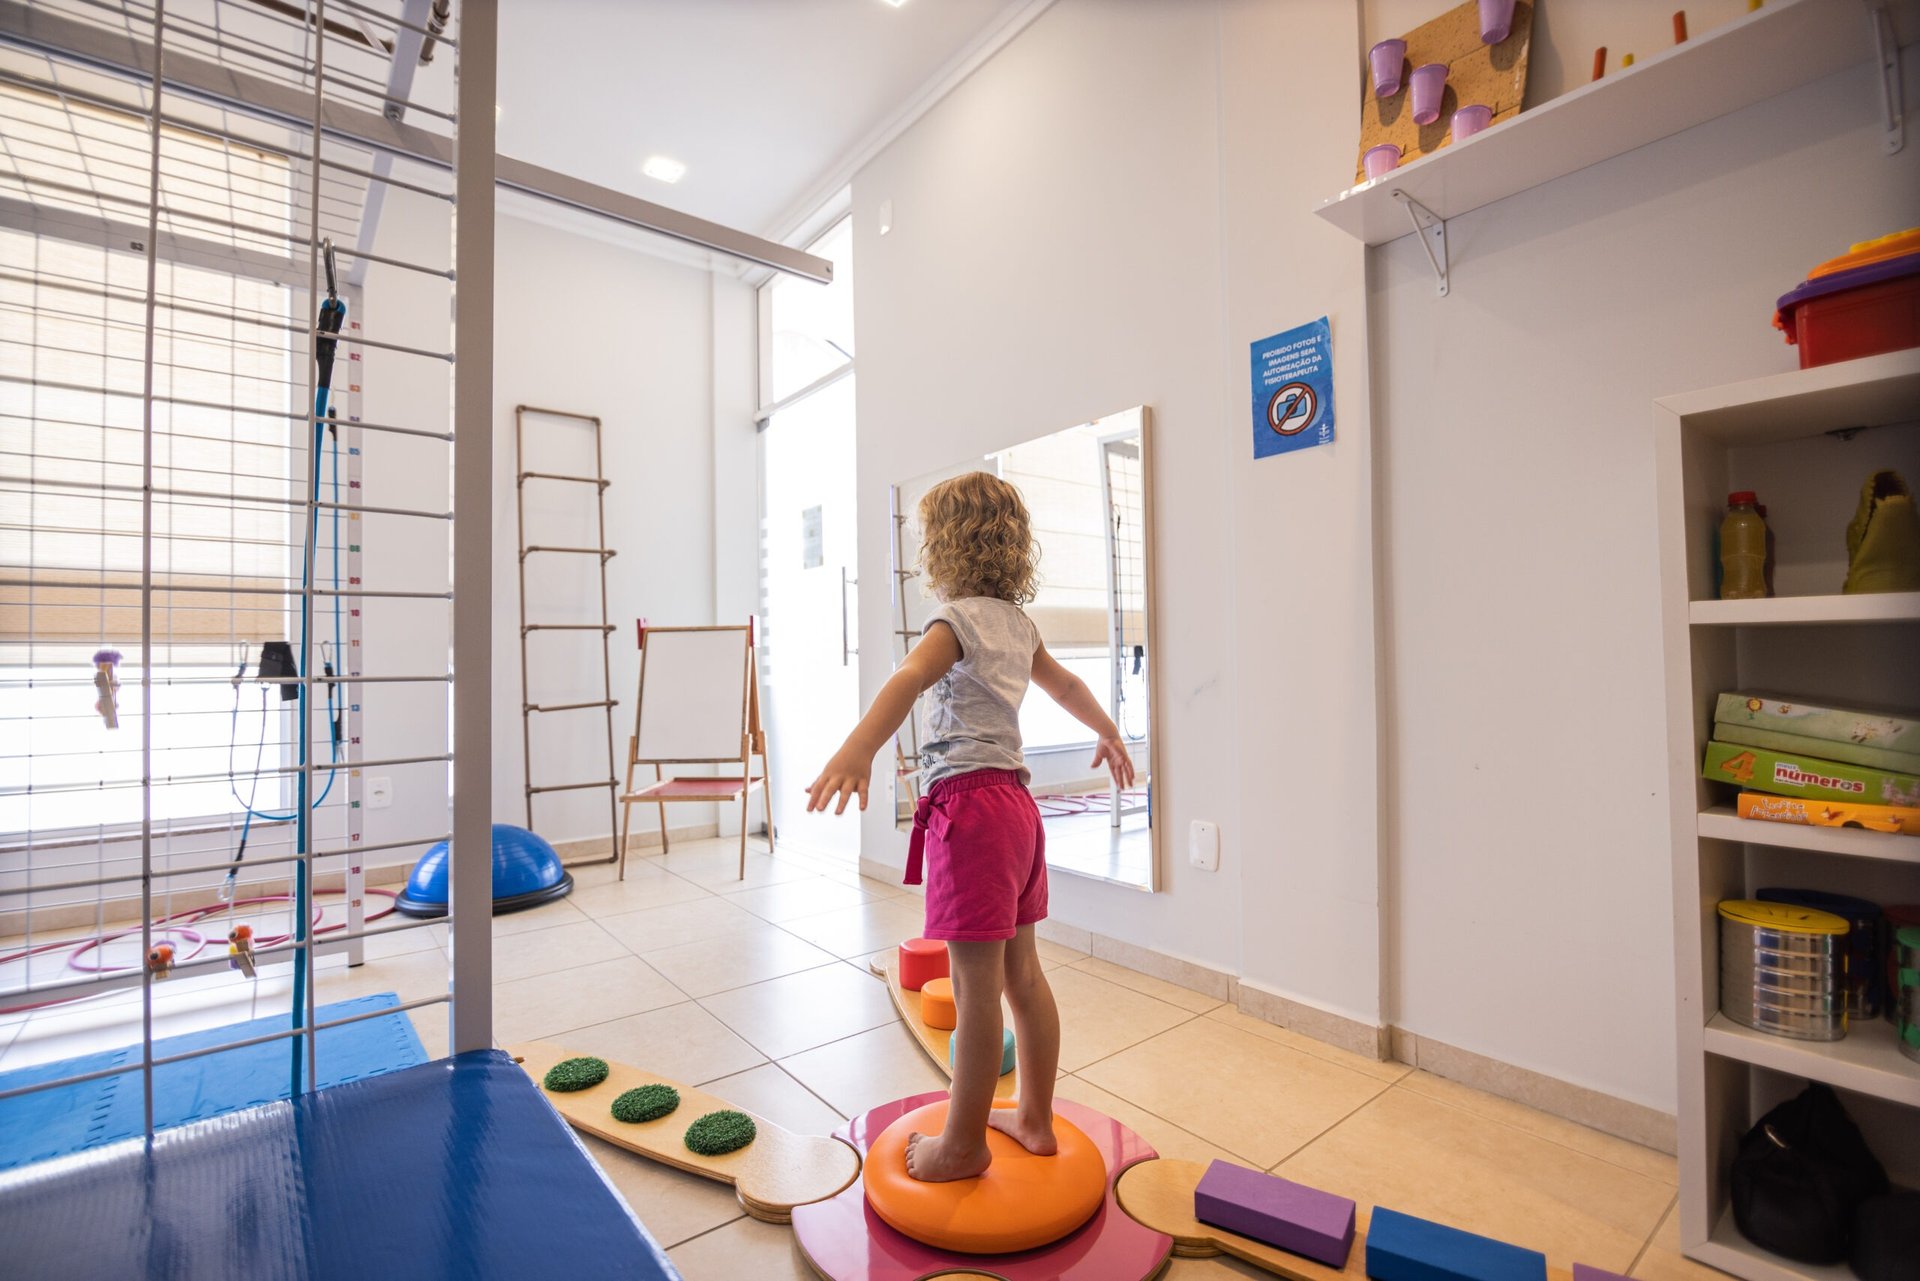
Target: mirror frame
x=1156, y=875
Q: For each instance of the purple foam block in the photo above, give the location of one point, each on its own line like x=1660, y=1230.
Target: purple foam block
x=1292, y=1216
x=1581, y=1272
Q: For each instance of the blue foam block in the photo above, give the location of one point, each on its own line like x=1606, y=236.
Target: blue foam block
x=456, y=1168
x=73, y=1118
x=1401, y=1247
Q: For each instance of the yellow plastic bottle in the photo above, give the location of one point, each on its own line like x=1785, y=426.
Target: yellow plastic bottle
x=1743, y=549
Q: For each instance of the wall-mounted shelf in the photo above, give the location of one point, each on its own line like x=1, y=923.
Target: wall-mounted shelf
x=1780, y=47
x=1876, y=607
x=1721, y=824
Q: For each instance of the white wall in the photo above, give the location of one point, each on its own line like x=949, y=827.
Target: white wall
x=1102, y=217
x=1527, y=829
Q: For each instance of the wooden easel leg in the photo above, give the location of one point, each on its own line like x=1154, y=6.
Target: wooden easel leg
x=626, y=822
x=659, y=777
x=746, y=794
x=766, y=794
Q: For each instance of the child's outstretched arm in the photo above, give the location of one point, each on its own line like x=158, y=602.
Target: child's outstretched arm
x=847, y=774
x=1068, y=690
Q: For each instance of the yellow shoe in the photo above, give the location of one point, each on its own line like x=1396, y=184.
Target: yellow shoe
x=1883, y=541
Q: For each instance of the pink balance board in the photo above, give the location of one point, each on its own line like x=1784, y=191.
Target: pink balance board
x=843, y=1239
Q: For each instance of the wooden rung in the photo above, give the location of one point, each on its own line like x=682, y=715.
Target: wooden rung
x=553, y=475
x=573, y=787
x=604, y=553
x=570, y=707
x=567, y=627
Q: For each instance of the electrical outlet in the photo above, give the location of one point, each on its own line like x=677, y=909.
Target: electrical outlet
x=1203, y=845
x=379, y=793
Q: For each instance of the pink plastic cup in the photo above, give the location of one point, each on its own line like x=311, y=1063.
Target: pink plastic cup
x=1468, y=121
x=1496, y=20
x=1387, y=58
x=1379, y=160
x=1429, y=83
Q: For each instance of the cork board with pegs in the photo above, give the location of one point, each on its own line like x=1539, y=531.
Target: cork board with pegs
x=1494, y=76
x=935, y=1041
x=771, y=1175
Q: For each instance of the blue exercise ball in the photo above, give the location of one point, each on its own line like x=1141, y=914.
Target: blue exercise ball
x=526, y=872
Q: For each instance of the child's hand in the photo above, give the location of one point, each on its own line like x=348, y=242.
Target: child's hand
x=844, y=777
x=1112, y=753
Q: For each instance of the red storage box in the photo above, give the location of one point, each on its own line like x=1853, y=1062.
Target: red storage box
x=1858, y=311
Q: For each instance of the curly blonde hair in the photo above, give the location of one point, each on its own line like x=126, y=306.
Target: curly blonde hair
x=976, y=539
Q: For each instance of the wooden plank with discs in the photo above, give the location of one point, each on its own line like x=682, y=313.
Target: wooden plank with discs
x=1159, y=1195
x=937, y=1042
x=771, y=1175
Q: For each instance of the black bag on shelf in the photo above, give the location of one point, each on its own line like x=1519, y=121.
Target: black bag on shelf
x=1886, y=1238
x=1799, y=1176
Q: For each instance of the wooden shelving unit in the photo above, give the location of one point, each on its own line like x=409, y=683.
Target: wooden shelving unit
x=1806, y=439
x=1775, y=49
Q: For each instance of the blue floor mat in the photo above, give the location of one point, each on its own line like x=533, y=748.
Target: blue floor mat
x=73, y=1118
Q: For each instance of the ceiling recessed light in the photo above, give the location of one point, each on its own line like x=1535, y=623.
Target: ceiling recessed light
x=664, y=168
x=896, y=3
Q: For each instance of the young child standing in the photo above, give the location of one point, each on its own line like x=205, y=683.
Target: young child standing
x=977, y=827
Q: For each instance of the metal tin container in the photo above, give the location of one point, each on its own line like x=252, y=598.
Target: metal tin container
x=1783, y=969
x=1906, y=1006
x=1865, y=982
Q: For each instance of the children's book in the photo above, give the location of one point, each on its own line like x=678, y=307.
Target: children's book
x=1792, y=809
x=1852, y=753
x=1892, y=731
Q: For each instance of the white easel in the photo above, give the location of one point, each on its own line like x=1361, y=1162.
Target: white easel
x=698, y=704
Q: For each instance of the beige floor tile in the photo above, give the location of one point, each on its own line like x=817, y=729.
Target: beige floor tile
x=1098, y=1018
x=862, y=929
x=564, y=947
x=718, y=869
x=430, y=1025
x=1168, y=1139
x=1662, y=1260
x=790, y=899
x=864, y=1071
x=1620, y=1152
x=1308, y=1045
x=543, y=1007
x=397, y=936
x=680, y=1042
x=545, y=916
x=1249, y=1095
x=1420, y=1156
x=1146, y=984
x=672, y=1204
x=647, y=885
x=1054, y=954
x=657, y=928
x=64, y=1033
x=744, y=1250
x=768, y=1091
x=410, y=976
x=882, y=889
x=796, y=1012
x=736, y=959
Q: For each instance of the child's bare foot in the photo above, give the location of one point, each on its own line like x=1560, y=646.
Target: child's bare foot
x=935, y=1160
x=1036, y=1136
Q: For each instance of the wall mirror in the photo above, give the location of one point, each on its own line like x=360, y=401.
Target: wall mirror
x=1089, y=490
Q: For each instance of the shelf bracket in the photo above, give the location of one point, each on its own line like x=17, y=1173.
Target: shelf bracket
x=1432, y=230
x=1892, y=99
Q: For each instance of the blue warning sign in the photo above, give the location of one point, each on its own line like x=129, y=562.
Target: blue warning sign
x=1293, y=390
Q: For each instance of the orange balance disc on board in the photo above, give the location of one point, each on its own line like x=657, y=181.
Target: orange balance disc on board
x=936, y=1005
x=1022, y=1202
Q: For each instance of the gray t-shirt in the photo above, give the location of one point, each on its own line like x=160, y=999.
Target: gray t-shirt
x=973, y=712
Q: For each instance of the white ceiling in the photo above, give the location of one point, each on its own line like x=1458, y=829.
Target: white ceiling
x=761, y=99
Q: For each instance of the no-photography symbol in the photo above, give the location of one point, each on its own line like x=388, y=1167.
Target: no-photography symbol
x=1291, y=408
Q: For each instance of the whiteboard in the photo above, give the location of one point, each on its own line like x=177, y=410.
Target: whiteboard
x=693, y=694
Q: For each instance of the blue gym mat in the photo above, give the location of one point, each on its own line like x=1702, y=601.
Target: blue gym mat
x=456, y=1169
x=73, y=1118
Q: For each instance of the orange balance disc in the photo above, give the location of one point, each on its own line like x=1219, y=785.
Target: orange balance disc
x=1021, y=1202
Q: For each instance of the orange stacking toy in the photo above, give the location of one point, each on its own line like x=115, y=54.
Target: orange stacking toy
x=936, y=1004
x=920, y=960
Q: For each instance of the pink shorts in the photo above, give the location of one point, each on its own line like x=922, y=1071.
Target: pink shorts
x=985, y=856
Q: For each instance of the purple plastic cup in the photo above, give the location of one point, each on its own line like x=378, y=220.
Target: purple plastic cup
x=1496, y=20
x=1379, y=160
x=1468, y=121
x=1429, y=83
x=1386, y=59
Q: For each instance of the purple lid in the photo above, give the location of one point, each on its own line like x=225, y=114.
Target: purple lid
x=1851, y=278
